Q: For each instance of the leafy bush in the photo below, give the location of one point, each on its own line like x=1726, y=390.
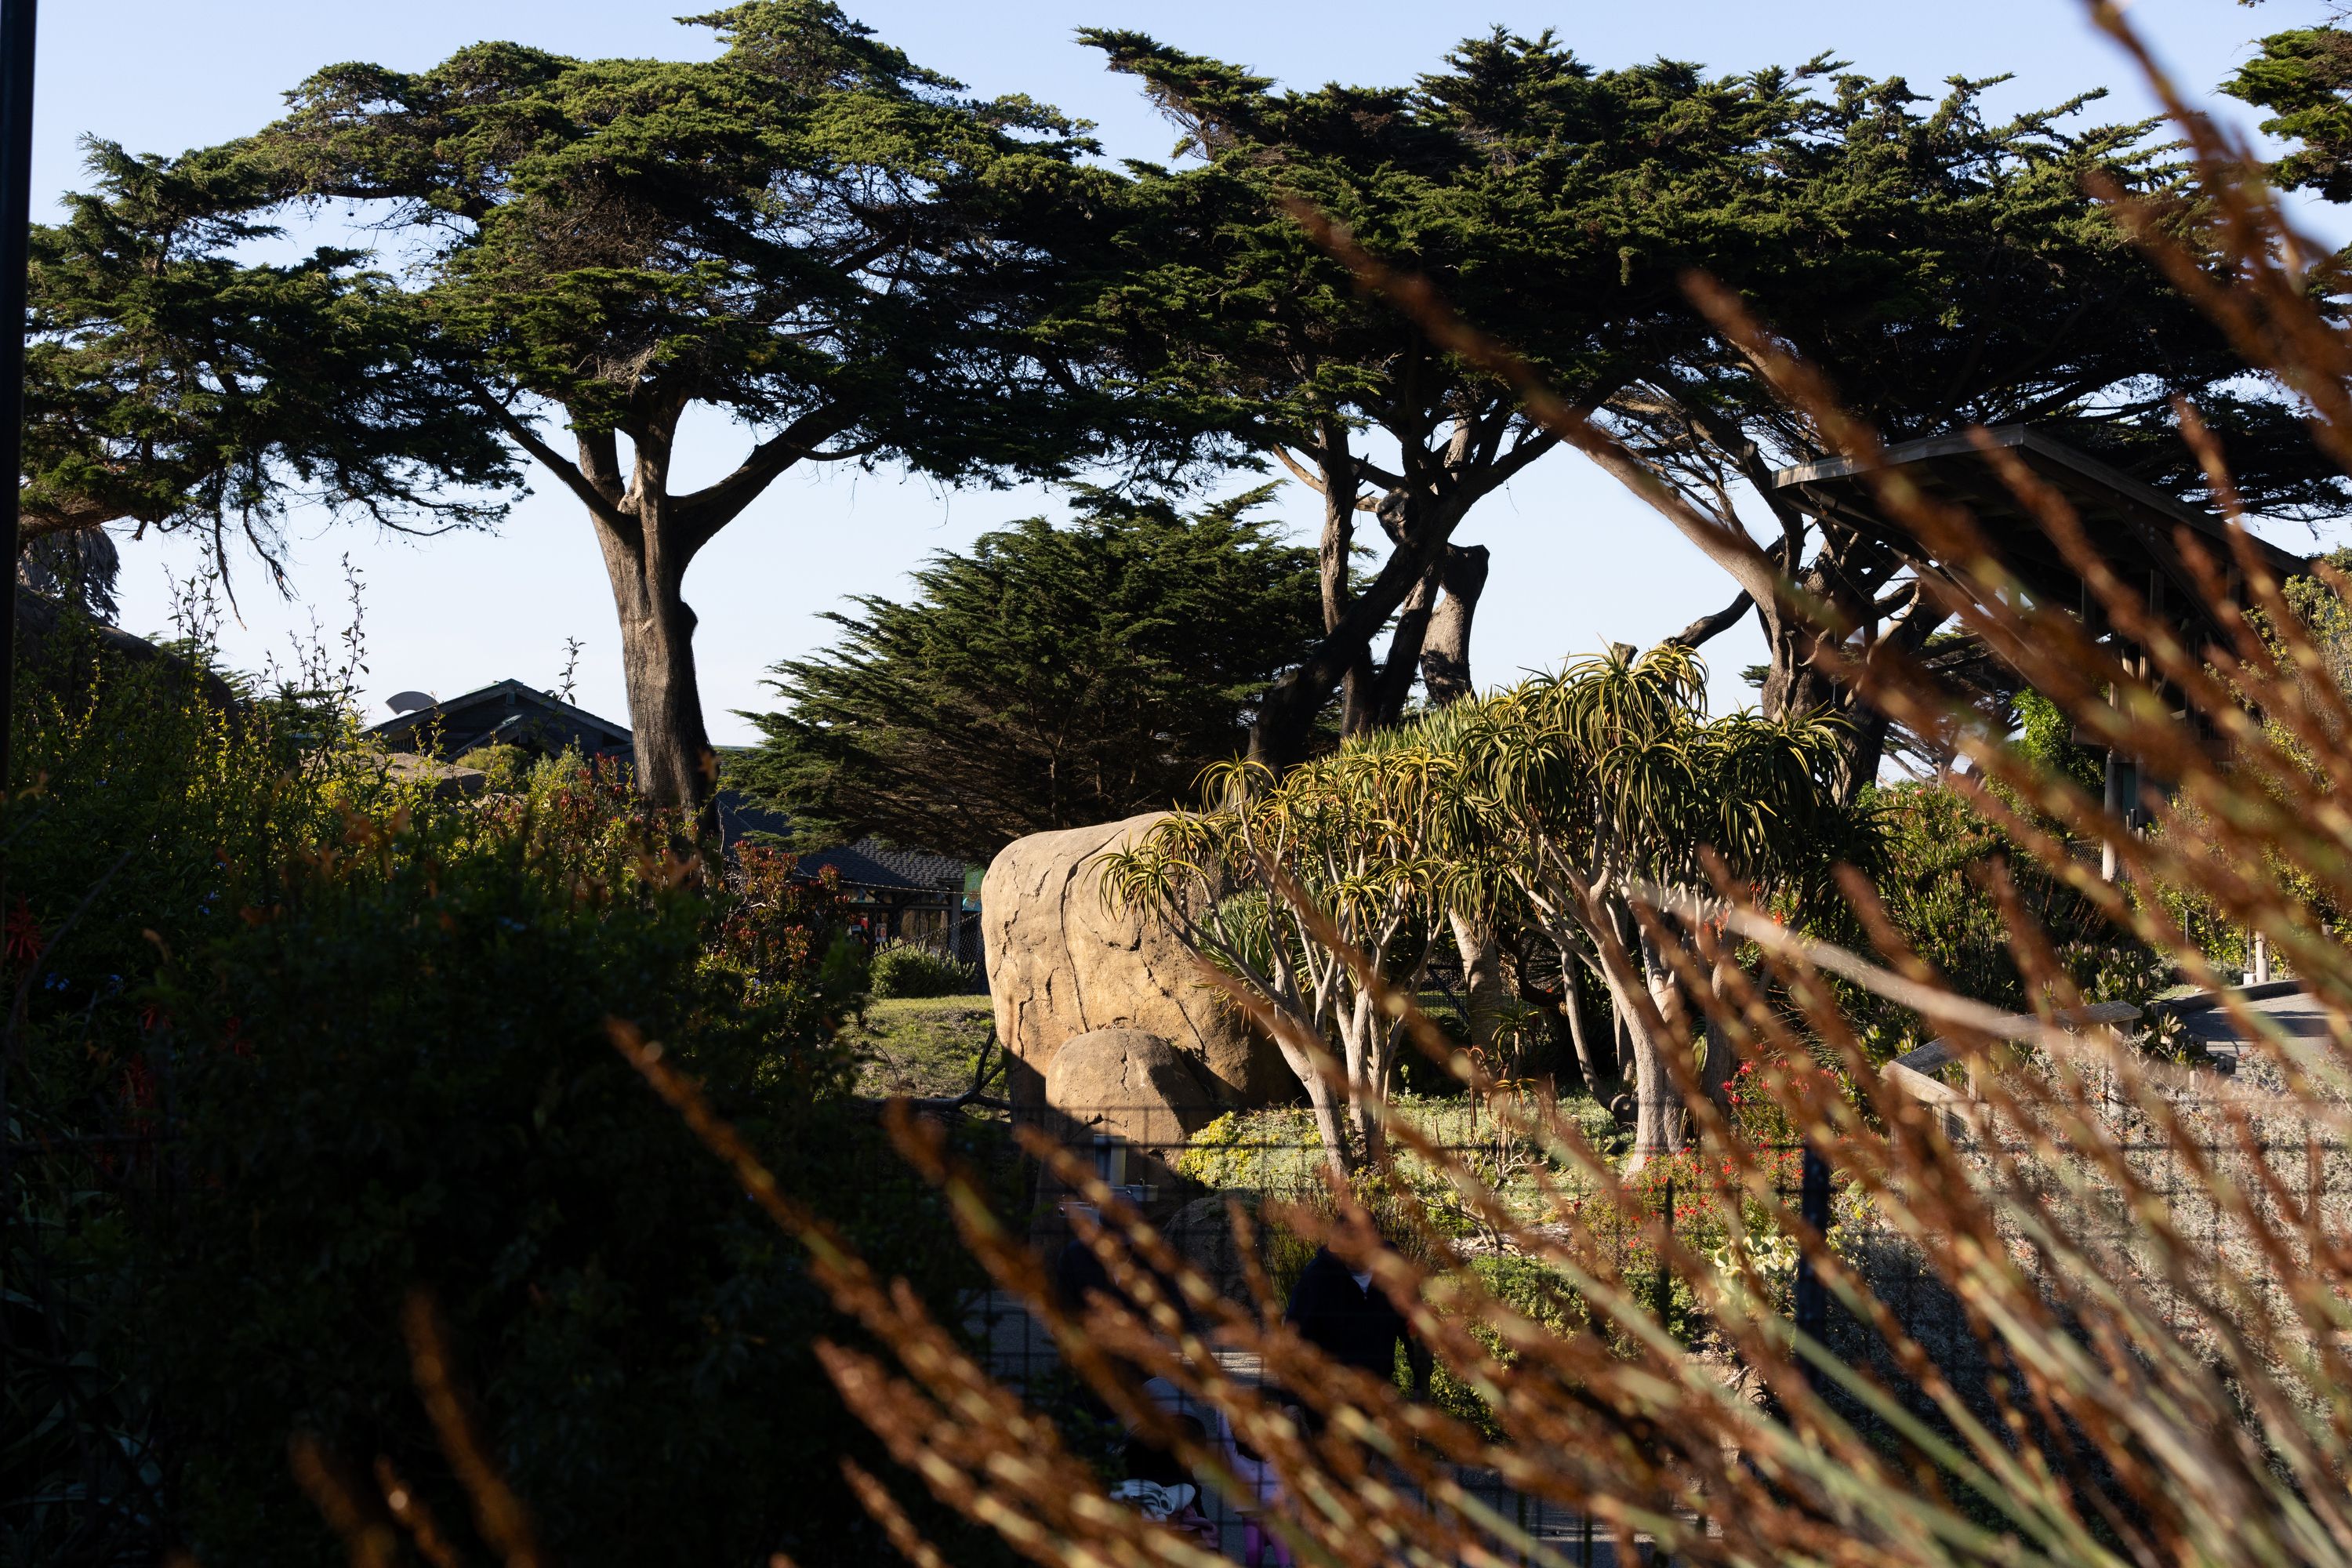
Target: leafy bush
x=504, y=768
x=317, y=1041
x=919, y=972
x=1939, y=859
x=400, y=1076
x=150, y=803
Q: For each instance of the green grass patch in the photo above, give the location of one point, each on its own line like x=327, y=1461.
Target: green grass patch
x=919, y=1046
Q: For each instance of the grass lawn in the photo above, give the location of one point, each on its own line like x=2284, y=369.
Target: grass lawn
x=919, y=1046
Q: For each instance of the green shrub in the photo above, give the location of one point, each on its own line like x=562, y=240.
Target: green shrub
x=402, y=1076
x=315, y=1041
x=505, y=768
x=1937, y=857
x=919, y=972
x=149, y=803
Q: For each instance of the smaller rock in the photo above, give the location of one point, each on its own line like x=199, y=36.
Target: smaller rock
x=1201, y=1232
x=1124, y=1102
x=1130, y=1084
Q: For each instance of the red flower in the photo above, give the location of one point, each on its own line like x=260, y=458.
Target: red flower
x=23, y=933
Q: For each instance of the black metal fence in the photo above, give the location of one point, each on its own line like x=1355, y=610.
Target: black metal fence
x=1183, y=1171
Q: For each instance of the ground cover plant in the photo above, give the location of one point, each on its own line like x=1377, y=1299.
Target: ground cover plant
x=919, y=1046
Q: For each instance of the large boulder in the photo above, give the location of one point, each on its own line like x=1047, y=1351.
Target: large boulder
x=1060, y=965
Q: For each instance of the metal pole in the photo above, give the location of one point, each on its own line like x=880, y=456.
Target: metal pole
x=1812, y=1300
x=16, y=182
x=15, y=207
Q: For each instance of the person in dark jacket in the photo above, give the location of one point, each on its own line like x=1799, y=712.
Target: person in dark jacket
x=1346, y=1317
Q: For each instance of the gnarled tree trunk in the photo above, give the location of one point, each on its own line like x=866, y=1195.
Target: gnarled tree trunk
x=674, y=763
x=1482, y=978
x=648, y=538
x=1445, y=651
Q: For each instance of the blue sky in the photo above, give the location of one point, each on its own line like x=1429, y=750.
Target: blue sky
x=1577, y=562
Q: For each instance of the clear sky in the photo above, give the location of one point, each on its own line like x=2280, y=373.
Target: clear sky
x=1576, y=562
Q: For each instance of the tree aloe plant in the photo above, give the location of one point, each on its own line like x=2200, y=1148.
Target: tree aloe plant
x=1580, y=789
x=1557, y=799
x=1303, y=892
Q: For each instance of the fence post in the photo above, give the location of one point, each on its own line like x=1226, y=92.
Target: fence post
x=16, y=19
x=1665, y=1292
x=1812, y=1300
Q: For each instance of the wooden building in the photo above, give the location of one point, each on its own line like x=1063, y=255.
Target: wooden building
x=2132, y=524
x=902, y=895
x=508, y=713
x=2135, y=529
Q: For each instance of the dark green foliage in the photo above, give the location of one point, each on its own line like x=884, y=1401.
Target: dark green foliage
x=406, y=1080
x=168, y=384
x=143, y=803
x=1050, y=679
x=919, y=972
x=2305, y=75
x=1941, y=267
x=800, y=235
x=329, y=1057
x=2047, y=735
x=1935, y=869
x=1218, y=311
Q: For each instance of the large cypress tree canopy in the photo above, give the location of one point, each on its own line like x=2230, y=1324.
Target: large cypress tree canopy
x=2305, y=75
x=171, y=384
x=1051, y=678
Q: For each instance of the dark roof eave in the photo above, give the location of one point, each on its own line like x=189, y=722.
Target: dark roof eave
x=2284, y=562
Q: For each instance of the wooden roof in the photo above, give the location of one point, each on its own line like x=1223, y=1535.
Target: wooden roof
x=504, y=712
x=2134, y=525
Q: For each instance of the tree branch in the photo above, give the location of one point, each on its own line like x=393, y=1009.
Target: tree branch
x=703, y=513
x=1708, y=626
x=563, y=468
x=1297, y=471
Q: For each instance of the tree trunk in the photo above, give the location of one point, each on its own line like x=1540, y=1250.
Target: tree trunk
x=1571, y=990
x=1433, y=635
x=1360, y=696
x=1418, y=529
x=1363, y=1030
x=1714, y=1075
x=645, y=559
x=674, y=759
x=1482, y=980
x=1558, y=1009
x=648, y=538
x=1394, y=683
x=1445, y=652
x=1658, y=1126
x=1329, y=1125
x=1629, y=937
